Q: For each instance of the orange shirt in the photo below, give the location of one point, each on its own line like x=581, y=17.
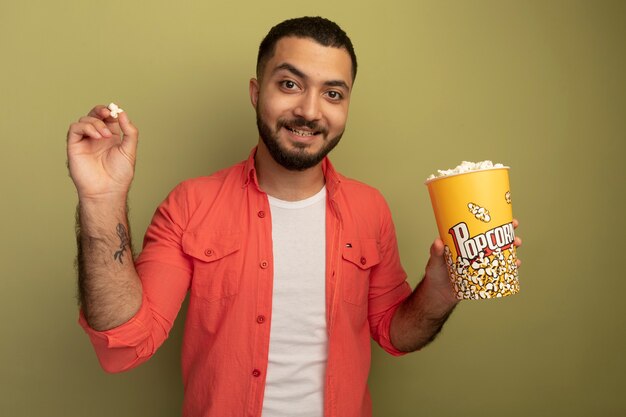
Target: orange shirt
x=212, y=237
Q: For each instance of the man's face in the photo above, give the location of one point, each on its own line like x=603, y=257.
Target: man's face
x=301, y=101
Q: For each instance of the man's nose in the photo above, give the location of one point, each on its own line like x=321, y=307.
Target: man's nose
x=309, y=107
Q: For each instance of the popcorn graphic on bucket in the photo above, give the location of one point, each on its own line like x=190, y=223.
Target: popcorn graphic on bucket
x=472, y=205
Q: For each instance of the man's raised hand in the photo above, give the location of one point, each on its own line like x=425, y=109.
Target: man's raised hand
x=101, y=153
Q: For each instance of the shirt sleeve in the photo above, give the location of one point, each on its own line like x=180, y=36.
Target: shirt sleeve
x=388, y=285
x=165, y=272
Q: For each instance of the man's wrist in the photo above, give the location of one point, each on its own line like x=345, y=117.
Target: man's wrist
x=110, y=200
x=441, y=297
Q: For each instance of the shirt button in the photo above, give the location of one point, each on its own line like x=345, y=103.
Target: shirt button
x=261, y=214
x=208, y=252
x=264, y=264
x=260, y=319
x=363, y=260
x=256, y=373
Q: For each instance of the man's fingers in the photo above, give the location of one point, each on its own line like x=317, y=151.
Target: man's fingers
x=78, y=131
x=98, y=124
x=515, y=223
x=517, y=241
x=101, y=112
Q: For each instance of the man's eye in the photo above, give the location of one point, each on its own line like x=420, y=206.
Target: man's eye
x=334, y=95
x=289, y=85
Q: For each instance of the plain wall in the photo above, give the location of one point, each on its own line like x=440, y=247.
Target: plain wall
x=537, y=85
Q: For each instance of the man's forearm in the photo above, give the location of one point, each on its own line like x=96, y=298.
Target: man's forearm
x=109, y=288
x=421, y=316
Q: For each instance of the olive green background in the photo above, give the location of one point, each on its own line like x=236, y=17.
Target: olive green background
x=538, y=85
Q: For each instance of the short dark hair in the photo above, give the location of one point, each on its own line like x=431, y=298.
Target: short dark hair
x=321, y=30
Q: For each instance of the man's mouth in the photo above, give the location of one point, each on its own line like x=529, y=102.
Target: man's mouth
x=301, y=132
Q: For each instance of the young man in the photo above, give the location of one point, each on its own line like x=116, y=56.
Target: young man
x=291, y=267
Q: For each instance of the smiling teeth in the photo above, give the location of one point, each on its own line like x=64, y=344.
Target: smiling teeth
x=302, y=133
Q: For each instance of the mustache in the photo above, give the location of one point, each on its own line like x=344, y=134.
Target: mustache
x=302, y=122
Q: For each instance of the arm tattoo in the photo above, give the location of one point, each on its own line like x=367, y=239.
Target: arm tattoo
x=123, y=235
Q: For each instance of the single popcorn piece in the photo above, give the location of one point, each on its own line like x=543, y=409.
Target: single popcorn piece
x=465, y=167
x=115, y=110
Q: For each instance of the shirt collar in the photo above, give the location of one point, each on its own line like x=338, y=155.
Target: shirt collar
x=330, y=175
x=249, y=171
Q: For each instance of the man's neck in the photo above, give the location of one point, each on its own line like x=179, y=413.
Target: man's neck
x=285, y=184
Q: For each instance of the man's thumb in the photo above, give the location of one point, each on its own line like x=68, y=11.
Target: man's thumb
x=130, y=132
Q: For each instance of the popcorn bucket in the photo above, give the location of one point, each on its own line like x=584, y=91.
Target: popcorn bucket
x=475, y=221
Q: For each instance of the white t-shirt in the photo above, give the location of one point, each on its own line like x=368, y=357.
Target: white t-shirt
x=298, y=337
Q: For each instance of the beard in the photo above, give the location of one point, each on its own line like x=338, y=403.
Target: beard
x=297, y=159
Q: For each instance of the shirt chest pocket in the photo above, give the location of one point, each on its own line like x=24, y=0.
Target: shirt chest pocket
x=359, y=256
x=217, y=261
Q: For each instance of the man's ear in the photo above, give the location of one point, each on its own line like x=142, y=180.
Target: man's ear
x=254, y=92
